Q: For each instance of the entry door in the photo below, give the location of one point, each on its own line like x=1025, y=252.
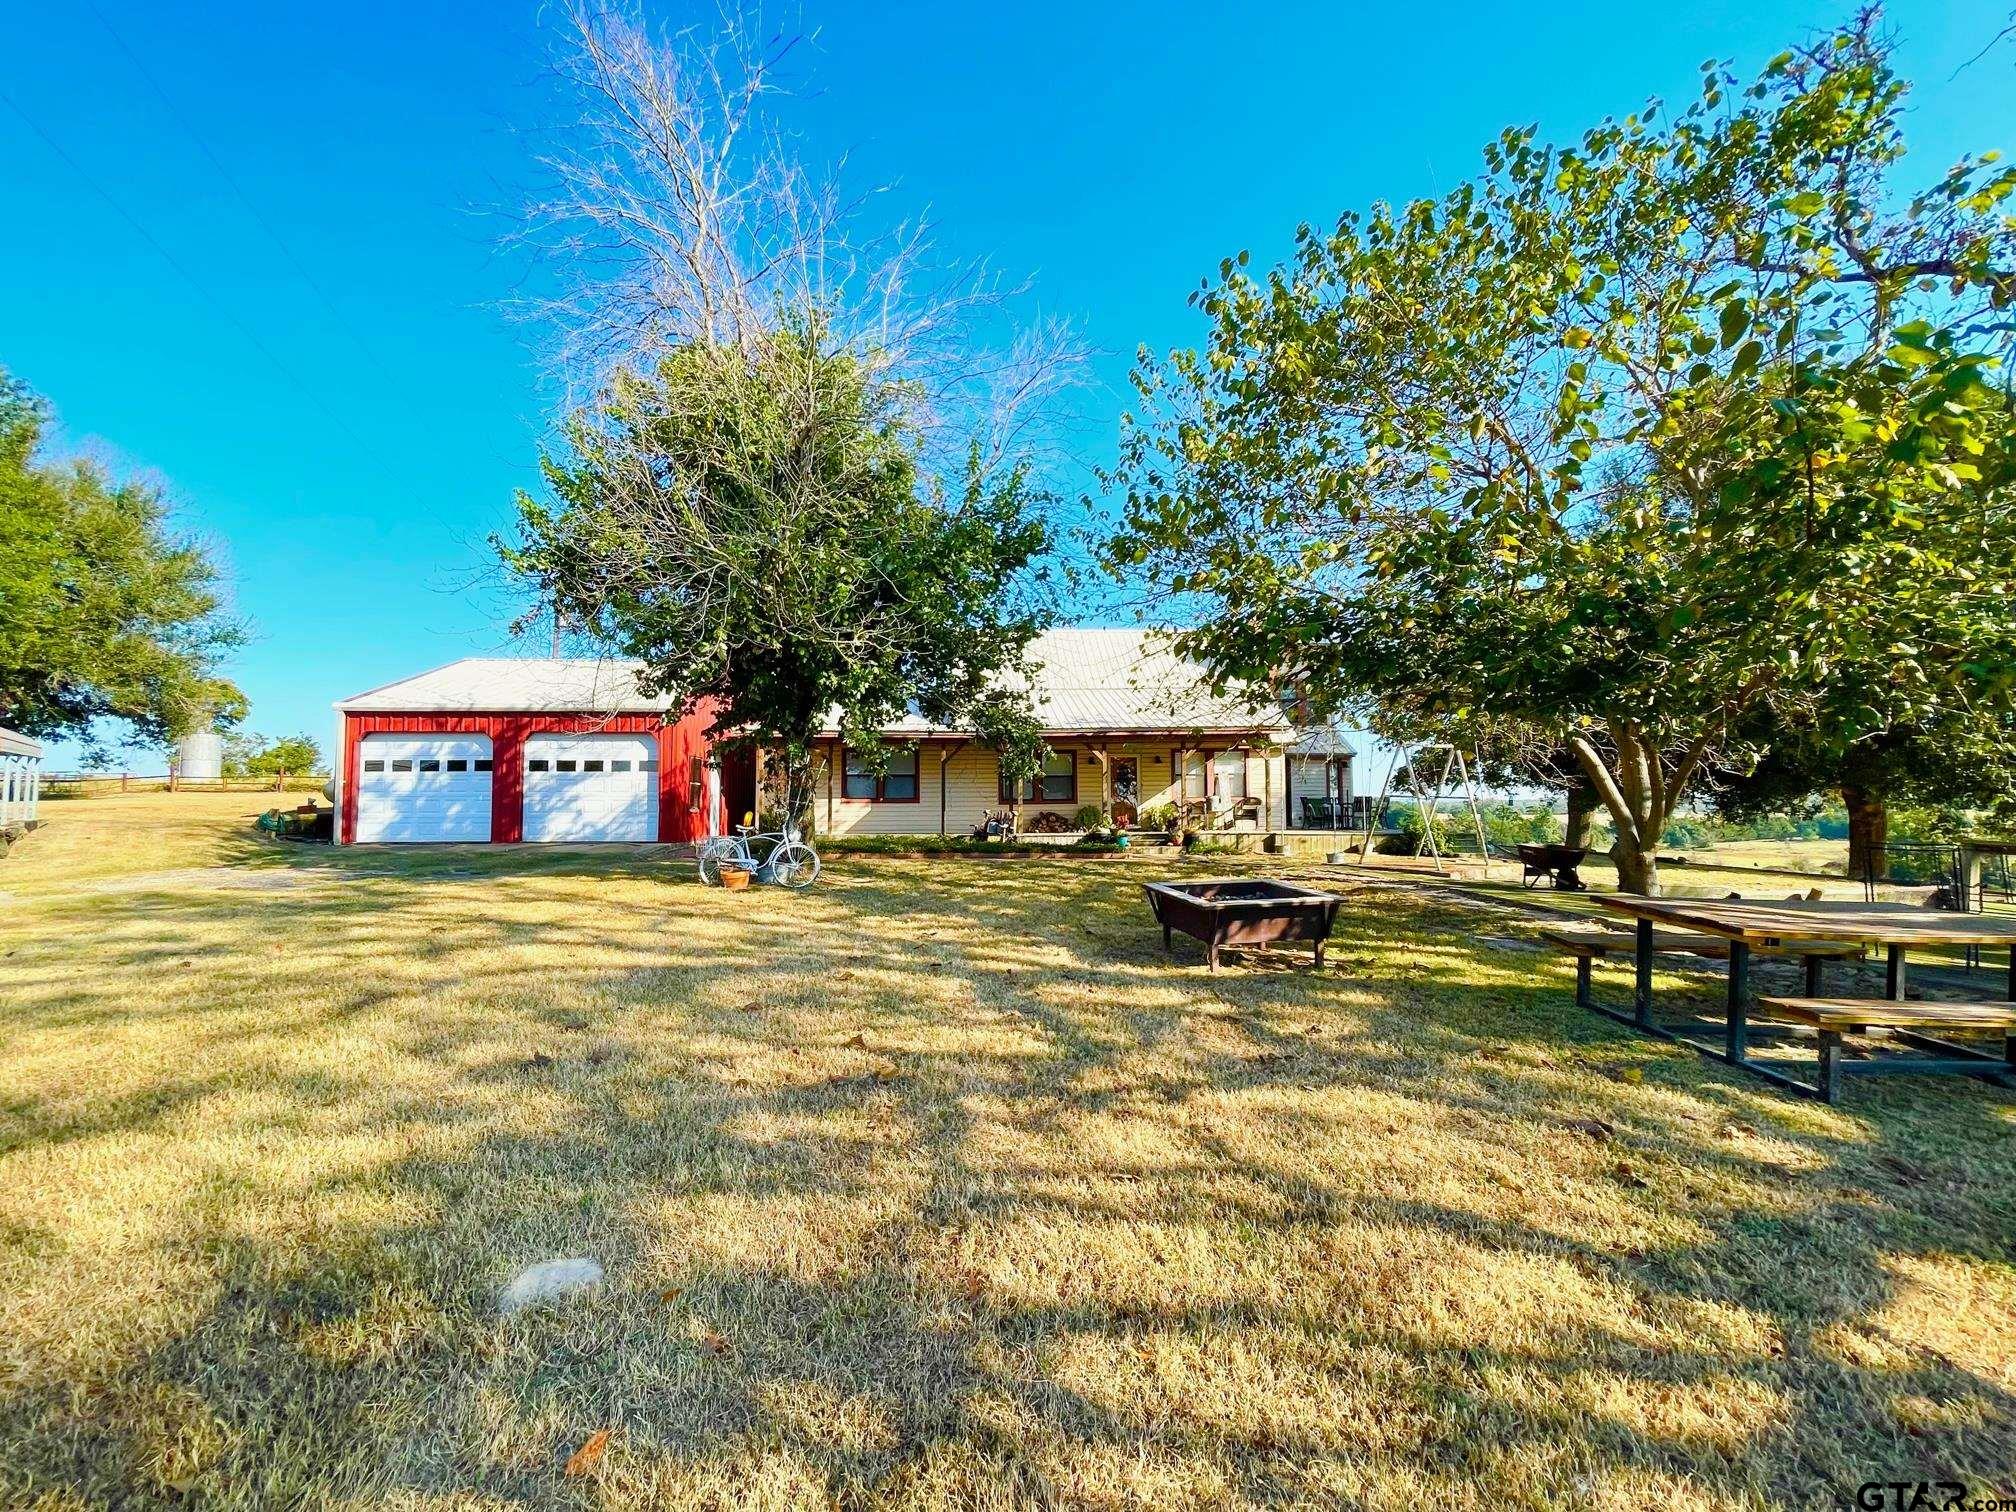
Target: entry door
x=1126, y=790
x=1230, y=787
x=591, y=787
x=417, y=788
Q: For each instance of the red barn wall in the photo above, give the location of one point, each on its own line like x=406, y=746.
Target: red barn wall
x=680, y=818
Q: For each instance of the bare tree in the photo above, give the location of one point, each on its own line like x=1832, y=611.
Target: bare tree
x=677, y=211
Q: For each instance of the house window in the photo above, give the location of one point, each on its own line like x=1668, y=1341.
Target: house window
x=374, y=766
x=896, y=783
x=535, y=765
x=591, y=766
x=458, y=764
x=1056, y=783
x=563, y=765
x=482, y=763
x=430, y=766
x=619, y=765
x=695, y=784
x=402, y=766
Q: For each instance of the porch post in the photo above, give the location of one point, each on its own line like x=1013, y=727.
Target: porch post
x=952, y=748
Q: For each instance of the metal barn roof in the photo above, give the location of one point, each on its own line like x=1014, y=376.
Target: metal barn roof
x=514, y=685
x=1087, y=681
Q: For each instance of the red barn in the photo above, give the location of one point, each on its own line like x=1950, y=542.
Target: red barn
x=502, y=749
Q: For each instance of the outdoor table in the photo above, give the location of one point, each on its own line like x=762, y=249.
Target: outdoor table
x=1785, y=927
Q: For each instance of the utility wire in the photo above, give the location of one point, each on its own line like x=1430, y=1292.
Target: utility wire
x=286, y=252
x=165, y=255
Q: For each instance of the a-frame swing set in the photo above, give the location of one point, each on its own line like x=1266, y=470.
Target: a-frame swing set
x=1453, y=765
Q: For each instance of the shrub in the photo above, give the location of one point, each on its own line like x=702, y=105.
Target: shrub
x=1089, y=817
x=1408, y=820
x=1507, y=825
x=942, y=845
x=1161, y=817
x=1688, y=834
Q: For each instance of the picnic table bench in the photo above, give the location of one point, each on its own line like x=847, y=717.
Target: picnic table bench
x=1592, y=942
x=1907, y=1022
x=1814, y=930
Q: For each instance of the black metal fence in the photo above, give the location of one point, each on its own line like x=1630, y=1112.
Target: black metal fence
x=1920, y=863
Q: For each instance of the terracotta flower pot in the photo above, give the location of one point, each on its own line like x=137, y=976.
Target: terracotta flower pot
x=734, y=878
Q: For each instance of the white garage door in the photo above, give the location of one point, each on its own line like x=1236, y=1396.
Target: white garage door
x=423, y=787
x=591, y=787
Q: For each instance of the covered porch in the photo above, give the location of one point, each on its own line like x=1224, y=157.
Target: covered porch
x=20, y=781
x=1318, y=766
x=949, y=784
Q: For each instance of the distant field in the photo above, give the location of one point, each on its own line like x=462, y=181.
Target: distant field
x=1816, y=856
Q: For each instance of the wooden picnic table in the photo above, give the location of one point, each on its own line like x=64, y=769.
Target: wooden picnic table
x=1786, y=927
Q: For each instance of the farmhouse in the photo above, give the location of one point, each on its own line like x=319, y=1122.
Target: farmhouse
x=490, y=749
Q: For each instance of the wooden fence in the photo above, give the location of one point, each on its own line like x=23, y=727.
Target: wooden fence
x=101, y=784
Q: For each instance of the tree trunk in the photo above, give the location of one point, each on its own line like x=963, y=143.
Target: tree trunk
x=1637, y=868
x=1868, y=831
x=1633, y=796
x=1583, y=801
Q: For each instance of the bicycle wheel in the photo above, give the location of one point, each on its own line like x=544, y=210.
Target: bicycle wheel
x=712, y=853
x=794, y=864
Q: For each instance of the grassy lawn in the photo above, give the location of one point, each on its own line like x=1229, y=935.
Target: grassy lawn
x=936, y=1185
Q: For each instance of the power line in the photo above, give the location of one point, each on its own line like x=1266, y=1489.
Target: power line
x=202, y=290
x=251, y=209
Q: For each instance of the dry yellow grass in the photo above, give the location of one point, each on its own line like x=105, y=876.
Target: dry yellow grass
x=934, y=1186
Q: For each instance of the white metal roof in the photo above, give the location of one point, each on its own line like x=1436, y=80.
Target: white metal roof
x=14, y=743
x=514, y=685
x=1322, y=740
x=1087, y=681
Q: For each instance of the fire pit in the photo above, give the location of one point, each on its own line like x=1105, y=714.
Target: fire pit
x=1242, y=911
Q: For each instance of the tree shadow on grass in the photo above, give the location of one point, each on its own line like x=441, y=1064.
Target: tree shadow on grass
x=943, y=1188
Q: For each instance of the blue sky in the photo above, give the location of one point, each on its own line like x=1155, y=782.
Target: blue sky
x=320, y=368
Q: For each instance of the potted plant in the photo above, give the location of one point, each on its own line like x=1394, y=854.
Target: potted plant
x=734, y=876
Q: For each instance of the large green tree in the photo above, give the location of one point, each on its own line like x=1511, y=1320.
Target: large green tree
x=1613, y=446
x=248, y=755
x=105, y=613
x=756, y=527
x=1963, y=759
